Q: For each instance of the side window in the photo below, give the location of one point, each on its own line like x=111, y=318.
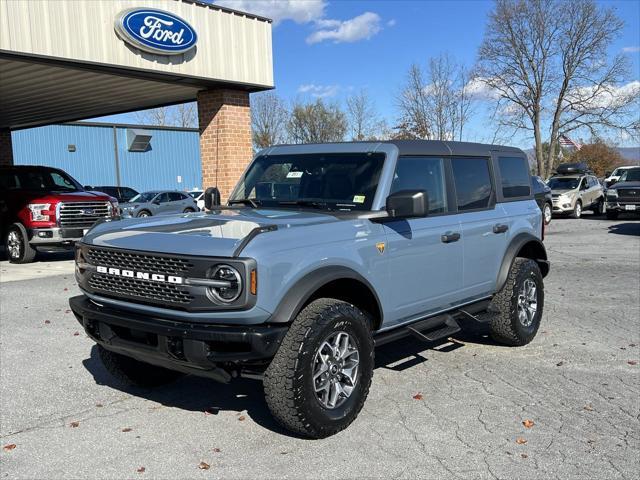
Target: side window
x=473, y=182
x=175, y=196
x=514, y=172
x=422, y=173
x=127, y=193
x=162, y=198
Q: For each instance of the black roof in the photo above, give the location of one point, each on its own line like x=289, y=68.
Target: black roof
x=438, y=147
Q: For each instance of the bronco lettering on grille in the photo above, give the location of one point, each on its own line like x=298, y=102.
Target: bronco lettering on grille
x=156, y=277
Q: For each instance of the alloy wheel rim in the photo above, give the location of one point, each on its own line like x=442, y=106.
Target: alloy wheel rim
x=547, y=213
x=578, y=210
x=527, y=302
x=14, y=244
x=335, y=369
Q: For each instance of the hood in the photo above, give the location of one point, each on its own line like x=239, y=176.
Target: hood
x=38, y=196
x=217, y=233
x=619, y=185
x=562, y=191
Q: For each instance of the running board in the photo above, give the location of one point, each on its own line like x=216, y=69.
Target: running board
x=433, y=328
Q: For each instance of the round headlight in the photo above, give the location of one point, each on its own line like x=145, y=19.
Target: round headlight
x=226, y=273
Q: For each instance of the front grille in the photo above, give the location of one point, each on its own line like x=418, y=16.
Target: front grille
x=629, y=195
x=82, y=214
x=147, y=291
x=139, y=262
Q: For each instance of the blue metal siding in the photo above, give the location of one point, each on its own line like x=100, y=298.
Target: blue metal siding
x=173, y=153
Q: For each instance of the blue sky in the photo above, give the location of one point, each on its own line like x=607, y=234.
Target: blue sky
x=331, y=48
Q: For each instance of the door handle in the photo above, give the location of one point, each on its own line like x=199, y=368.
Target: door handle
x=450, y=237
x=500, y=228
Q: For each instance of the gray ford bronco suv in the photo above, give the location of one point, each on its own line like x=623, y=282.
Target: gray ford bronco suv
x=323, y=253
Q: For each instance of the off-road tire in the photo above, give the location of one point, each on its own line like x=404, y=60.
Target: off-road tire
x=26, y=253
x=143, y=213
x=612, y=214
x=288, y=383
x=577, y=210
x=133, y=372
x=505, y=325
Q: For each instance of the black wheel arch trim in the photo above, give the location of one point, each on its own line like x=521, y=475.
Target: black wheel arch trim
x=515, y=247
x=298, y=295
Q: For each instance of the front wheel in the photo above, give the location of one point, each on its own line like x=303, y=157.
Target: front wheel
x=188, y=210
x=577, y=210
x=144, y=214
x=598, y=208
x=16, y=244
x=519, y=304
x=547, y=213
x=319, y=379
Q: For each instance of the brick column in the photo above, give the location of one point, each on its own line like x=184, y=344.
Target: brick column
x=224, y=120
x=6, y=149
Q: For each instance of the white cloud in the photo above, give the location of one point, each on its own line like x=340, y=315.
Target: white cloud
x=635, y=49
x=319, y=91
x=279, y=10
x=361, y=27
x=391, y=23
x=477, y=88
x=609, y=96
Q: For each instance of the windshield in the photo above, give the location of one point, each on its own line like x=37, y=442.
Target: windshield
x=144, y=197
x=38, y=179
x=195, y=193
x=340, y=181
x=563, y=183
x=631, y=175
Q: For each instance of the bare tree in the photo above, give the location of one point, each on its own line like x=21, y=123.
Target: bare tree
x=269, y=117
x=316, y=123
x=363, y=119
x=547, y=60
x=181, y=115
x=435, y=105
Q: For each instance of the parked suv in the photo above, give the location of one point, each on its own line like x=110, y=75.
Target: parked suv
x=624, y=195
x=45, y=209
x=327, y=251
x=544, y=198
x=575, y=189
x=122, y=194
x=159, y=203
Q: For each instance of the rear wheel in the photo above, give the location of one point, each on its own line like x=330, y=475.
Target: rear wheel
x=144, y=213
x=598, y=208
x=188, y=210
x=133, y=372
x=547, y=213
x=319, y=379
x=519, y=304
x=577, y=210
x=16, y=244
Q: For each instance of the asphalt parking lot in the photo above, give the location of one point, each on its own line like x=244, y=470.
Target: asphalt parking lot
x=454, y=410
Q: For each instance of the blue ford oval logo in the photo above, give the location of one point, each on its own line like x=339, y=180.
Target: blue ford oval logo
x=156, y=31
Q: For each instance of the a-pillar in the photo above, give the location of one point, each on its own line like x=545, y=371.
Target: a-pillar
x=224, y=120
x=6, y=149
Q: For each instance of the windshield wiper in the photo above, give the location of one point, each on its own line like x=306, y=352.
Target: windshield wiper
x=306, y=203
x=245, y=201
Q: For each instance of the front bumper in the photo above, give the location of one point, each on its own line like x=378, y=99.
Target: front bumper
x=202, y=349
x=55, y=236
x=562, y=206
x=622, y=206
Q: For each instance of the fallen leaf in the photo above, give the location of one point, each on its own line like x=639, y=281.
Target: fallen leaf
x=126, y=429
x=141, y=470
x=9, y=447
x=417, y=396
x=204, y=466
x=66, y=290
x=241, y=418
x=47, y=321
x=524, y=455
x=67, y=311
x=632, y=362
x=528, y=423
x=520, y=441
x=588, y=408
x=216, y=450
x=99, y=405
x=74, y=424
x=559, y=364
x=75, y=334
x=632, y=344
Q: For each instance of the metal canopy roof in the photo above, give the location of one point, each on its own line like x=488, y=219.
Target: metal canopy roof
x=36, y=92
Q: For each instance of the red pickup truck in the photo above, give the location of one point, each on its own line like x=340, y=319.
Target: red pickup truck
x=45, y=209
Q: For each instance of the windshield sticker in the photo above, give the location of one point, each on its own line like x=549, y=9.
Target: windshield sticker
x=358, y=198
x=294, y=174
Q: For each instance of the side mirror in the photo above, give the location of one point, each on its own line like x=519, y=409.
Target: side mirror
x=408, y=204
x=211, y=198
x=88, y=187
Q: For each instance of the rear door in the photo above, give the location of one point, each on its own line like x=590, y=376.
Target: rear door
x=425, y=267
x=484, y=225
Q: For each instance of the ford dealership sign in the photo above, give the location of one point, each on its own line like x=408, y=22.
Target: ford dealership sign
x=156, y=31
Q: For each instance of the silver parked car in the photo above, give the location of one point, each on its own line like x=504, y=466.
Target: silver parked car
x=147, y=204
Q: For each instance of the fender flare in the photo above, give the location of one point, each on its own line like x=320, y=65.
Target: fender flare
x=298, y=295
x=520, y=240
